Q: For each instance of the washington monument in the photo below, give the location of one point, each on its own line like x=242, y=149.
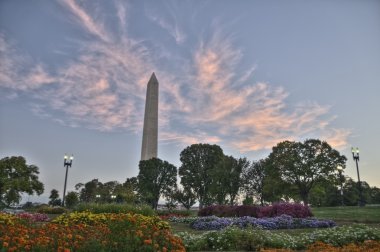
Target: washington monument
x=149, y=141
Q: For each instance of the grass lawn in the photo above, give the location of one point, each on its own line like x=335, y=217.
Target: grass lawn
x=350, y=214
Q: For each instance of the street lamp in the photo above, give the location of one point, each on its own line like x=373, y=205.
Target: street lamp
x=67, y=162
x=355, y=155
x=340, y=170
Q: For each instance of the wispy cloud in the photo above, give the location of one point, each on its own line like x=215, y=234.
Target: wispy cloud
x=212, y=98
x=85, y=20
x=18, y=71
x=169, y=22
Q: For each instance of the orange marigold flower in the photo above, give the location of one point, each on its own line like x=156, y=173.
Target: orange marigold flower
x=148, y=242
x=5, y=244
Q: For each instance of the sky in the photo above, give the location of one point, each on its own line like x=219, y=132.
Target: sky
x=245, y=75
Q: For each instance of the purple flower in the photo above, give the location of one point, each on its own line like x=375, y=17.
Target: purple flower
x=279, y=222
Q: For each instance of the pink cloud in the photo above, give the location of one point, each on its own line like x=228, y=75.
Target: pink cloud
x=210, y=99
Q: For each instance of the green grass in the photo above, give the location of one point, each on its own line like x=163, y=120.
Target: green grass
x=350, y=214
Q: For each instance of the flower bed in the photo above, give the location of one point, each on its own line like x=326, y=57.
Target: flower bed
x=250, y=239
x=279, y=222
x=293, y=209
x=88, y=232
x=34, y=217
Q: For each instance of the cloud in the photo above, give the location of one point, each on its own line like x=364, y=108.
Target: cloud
x=18, y=71
x=85, y=20
x=169, y=23
x=210, y=97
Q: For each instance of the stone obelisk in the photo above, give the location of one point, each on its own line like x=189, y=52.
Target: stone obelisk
x=149, y=141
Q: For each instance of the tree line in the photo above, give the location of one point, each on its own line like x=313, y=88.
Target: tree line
x=300, y=171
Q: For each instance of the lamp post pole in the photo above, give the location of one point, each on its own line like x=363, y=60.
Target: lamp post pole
x=67, y=162
x=340, y=170
x=355, y=155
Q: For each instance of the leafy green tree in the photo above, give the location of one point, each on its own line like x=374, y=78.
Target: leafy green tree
x=71, y=199
x=54, y=198
x=375, y=195
x=220, y=180
x=186, y=197
x=89, y=190
x=156, y=178
x=199, y=162
x=350, y=192
x=253, y=180
x=303, y=164
x=274, y=188
x=231, y=178
x=325, y=193
x=16, y=177
x=171, y=201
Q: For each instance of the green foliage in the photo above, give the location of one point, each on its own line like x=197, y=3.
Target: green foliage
x=199, y=163
x=253, y=181
x=227, y=180
x=303, y=164
x=156, y=178
x=112, y=191
x=115, y=208
x=17, y=177
x=54, y=198
x=49, y=210
x=186, y=197
x=71, y=199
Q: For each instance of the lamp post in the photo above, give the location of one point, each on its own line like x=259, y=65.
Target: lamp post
x=67, y=162
x=355, y=155
x=340, y=170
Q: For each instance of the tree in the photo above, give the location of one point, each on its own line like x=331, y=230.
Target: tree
x=186, y=197
x=253, y=180
x=89, y=190
x=156, y=178
x=199, y=161
x=71, y=199
x=375, y=195
x=131, y=188
x=54, y=198
x=17, y=177
x=232, y=176
x=303, y=164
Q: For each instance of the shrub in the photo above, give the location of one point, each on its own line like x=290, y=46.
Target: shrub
x=45, y=209
x=246, y=210
x=115, y=208
x=229, y=211
x=293, y=209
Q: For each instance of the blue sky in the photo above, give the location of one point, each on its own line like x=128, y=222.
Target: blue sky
x=241, y=74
